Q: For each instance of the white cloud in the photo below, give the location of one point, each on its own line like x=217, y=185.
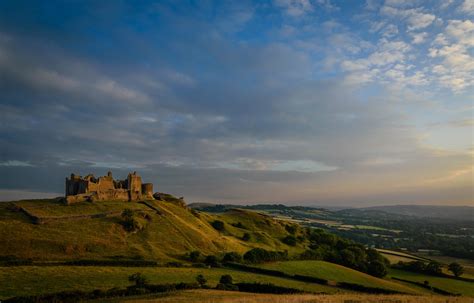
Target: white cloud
x=419, y=37
x=454, y=50
x=415, y=17
x=467, y=7
x=295, y=8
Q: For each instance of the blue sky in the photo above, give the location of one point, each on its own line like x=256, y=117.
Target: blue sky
x=295, y=101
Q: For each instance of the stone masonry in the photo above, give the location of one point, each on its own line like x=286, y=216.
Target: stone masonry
x=90, y=188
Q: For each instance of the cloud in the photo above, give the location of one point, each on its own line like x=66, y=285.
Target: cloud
x=295, y=8
x=415, y=17
x=467, y=7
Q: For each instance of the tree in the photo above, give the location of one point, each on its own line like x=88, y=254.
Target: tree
x=201, y=280
x=433, y=267
x=226, y=279
x=211, y=261
x=139, y=280
x=377, y=269
x=232, y=257
x=289, y=240
x=456, y=269
x=194, y=256
x=218, y=225
x=128, y=222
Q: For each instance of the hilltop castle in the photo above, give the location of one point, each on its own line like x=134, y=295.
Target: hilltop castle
x=105, y=188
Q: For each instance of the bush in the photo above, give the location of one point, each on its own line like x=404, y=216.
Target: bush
x=201, y=280
x=266, y=288
x=258, y=255
x=138, y=279
x=129, y=222
x=218, y=225
x=231, y=287
x=246, y=237
x=289, y=240
x=226, y=279
x=194, y=256
x=212, y=261
x=291, y=229
x=456, y=269
x=377, y=269
x=239, y=225
x=232, y=257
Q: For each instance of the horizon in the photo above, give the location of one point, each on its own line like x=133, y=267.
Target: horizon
x=298, y=102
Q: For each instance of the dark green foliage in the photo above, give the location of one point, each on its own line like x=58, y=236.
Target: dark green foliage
x=226, y=279
x=194, y=256
x=138, y=279
x=232, y=257
x=289, y=240
x=328, y=247
x=291, y=229
x=212, y=261
x=246, y=237
x=266, y=288
x=258, y=255
x=230, y=287
x=174, y=264
x=377, y=269
x=434, y=268
x=126, y=263
x=128, y=221
x=218, y=225
x=366, y=289
x=201, y=280
x=239, y=225
x=456, y=269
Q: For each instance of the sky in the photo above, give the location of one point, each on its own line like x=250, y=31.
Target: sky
x=308, y=102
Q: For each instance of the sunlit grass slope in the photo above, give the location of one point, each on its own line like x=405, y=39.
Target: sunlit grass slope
x=337, y=273
x=31, y=280
x=171, y=233
x=451, y=285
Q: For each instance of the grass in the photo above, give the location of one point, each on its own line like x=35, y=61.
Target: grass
x=337, y=273
x=215, y=296
x=31, y=280
x=167, y=236
x=451, y=285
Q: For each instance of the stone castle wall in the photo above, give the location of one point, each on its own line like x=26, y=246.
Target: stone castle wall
x=105, y=188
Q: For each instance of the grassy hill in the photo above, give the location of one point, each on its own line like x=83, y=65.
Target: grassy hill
x=337, y=273
x=93, y=231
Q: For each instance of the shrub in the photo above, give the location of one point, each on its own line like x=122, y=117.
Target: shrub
x=232, y=257
x=222, y=286
x=289, y=240
x=194, y=256
x=226, y=279
x=456, y=269
x=246, y=237
x=218, y=225
x=201, y=280
x=266, y=288
x=138, y=279
x=258, y=255
x=129, y=222
x=377, y=269
x=291, y=229
x=239, y=225
x=212, y=261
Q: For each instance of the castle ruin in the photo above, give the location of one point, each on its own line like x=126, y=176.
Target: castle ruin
x=105, y=188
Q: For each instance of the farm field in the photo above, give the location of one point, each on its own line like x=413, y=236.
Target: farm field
x=338, y=273
x=33, y=280
x=215, y=296
x=451, y=285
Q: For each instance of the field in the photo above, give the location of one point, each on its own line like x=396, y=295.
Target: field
x=337, y=273
x=451, y=285
x=215, y=296
x=31, y=280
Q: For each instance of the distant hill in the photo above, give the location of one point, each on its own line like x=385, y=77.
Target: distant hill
x=464, y=213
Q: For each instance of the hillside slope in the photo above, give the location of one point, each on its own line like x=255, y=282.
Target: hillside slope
x=93, y=231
